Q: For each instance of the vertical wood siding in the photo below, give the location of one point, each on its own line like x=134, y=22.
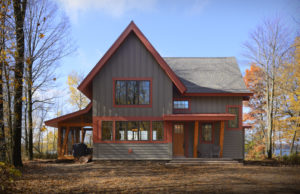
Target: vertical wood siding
x=132, y=60
x=212, y=104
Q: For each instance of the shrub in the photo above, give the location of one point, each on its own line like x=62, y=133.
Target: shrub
x=292, y=159
x=7, y=176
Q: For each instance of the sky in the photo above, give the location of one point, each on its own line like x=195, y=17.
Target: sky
x=176, y=28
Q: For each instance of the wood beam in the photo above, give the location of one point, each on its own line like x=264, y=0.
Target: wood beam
x=65, y=141
x=221, y=138
x=196, y=137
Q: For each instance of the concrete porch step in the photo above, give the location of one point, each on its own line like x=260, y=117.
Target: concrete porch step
x=202, y=161
x=207, y=163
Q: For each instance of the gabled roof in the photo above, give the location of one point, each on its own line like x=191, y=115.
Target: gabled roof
x=86, y=85
x=72, y=116
x=209, y=75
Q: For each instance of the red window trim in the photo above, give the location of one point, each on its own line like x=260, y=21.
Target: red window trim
x=240, y=122
x=133, y=79
x=99, y=120
x=212, y=133
x=180, y=109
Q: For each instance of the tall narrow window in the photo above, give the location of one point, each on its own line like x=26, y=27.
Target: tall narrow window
x=157, y=130
x=235, y=122
x=206, y=133
x=144, y=130
x=107, y=128
x=132, y=92
x=121, y=128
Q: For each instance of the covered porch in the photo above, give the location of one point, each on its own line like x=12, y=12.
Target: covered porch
x=198, y=135
x=72, y=129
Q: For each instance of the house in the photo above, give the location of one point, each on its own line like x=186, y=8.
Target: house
x=146, y=107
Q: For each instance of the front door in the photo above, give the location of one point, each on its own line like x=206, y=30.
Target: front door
x=178, y=140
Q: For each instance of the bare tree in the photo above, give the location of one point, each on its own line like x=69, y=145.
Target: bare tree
x=47, y=41
x=267, y=47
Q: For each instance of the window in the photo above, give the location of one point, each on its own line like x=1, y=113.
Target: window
x=157, y=130
x=132, y=130
x=235, y=122
x=132, y=92
x=107, y=128
x=206, y=132
x=181, y=104
x=178, y=129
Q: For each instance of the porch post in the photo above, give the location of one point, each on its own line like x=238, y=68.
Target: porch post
x=221, y=138
x=196, y=139
x=59, y=131
x=64, y=148
x=82, y=135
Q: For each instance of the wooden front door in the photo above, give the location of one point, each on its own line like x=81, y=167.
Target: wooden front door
x=178, y=140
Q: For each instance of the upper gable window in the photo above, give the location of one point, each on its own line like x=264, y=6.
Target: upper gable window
x=132, y=92
x=181, y=104
x=236, y=122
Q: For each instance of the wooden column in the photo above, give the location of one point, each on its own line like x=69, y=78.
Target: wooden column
x=221, y=138
x=77, y=134
x=196, y=137
x=59, y=131
x=65, y=141
x=73, y=138
x=82, y=135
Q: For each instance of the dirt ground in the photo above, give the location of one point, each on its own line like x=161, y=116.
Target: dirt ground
x=154, y=177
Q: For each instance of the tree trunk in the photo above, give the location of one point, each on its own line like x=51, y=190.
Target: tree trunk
x=9, y=115
x=293, y=142
x=29, y=93
x=19, y=14
x=2, y=131
x=26, y=131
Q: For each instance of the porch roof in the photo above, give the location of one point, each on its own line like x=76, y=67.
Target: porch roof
x=80, y=117
x=199, y=117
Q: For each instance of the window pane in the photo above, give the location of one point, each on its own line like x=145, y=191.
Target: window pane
x=144, y=92
x=132, y=130
x=132, y=92
x=144, y=130
x=120, y=92
x=121, y=127
x=157, y=130
x=207, y=132
x=181, y=104
x=235, y=122
x=106, y=130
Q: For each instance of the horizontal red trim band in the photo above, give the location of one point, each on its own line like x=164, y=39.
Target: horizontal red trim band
x=120, y=118
x=218, y=94
x=198, y=117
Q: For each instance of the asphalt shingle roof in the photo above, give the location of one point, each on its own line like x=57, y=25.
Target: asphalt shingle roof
x=208, y=74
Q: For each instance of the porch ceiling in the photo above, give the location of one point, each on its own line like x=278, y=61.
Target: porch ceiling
x=79, y=117
x=199, y=117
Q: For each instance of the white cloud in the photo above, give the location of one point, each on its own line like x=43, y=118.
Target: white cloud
x=115, y=8
x=198, y=5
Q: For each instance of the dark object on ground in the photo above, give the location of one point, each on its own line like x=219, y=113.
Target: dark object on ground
x=82, y=153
